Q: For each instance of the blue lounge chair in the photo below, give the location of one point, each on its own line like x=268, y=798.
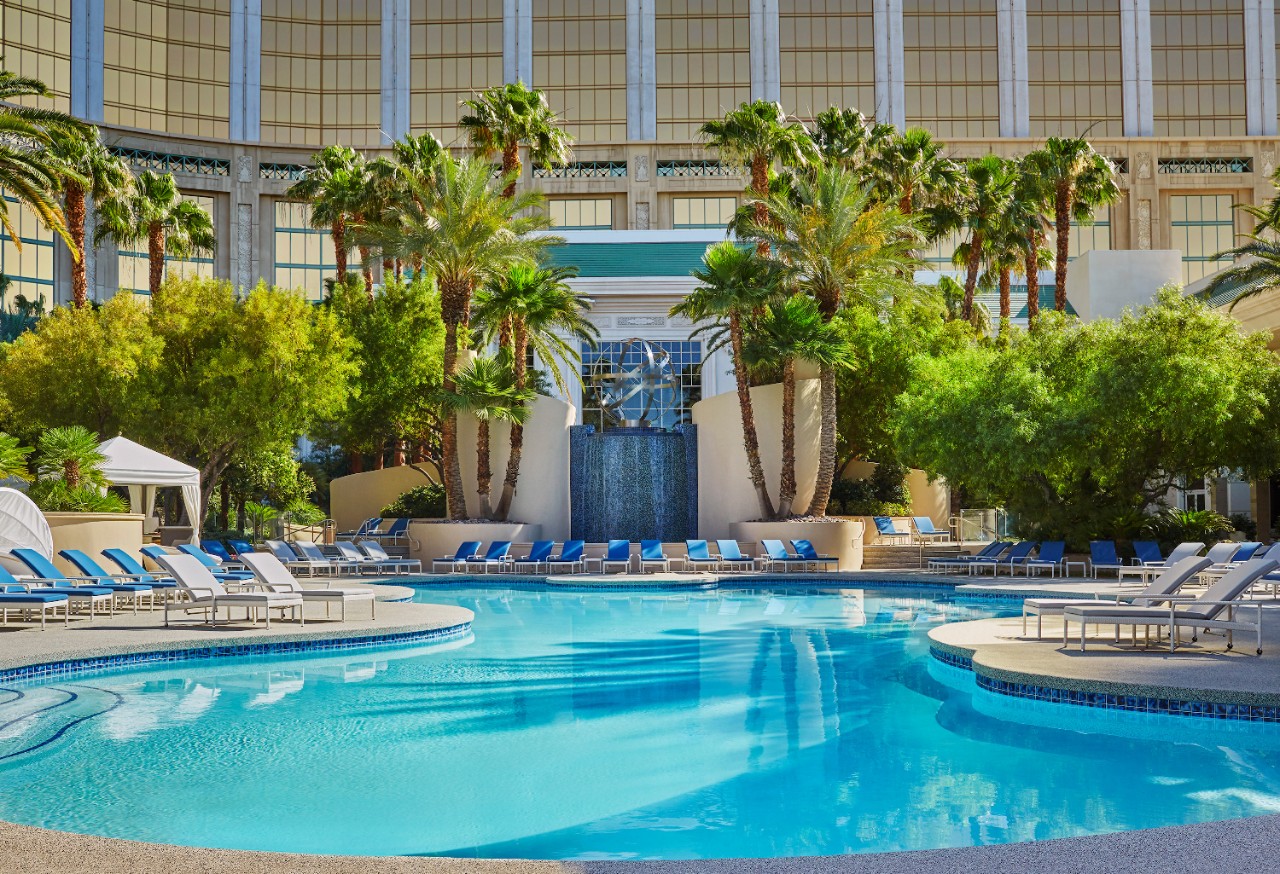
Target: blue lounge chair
x=18, y=596
x=1246, y=551
x=955, y=562
x=134, y=589
x=1150, y=570
x=1050, y=555
x=731, y=554
x=240, y=547
x=806, y=550
x=926, y=531
x=1147, y=552
x=1016, y=557
x=1102, y=556
x=617, y=554
x=467, y=550
x=887, y=530
x=570, y=556
x=211, y=564
x=777, y=555
x=497, y=558
x=49, y=580
x=651, y=555
x=135, y=570
x=539, y=552
x=698, y=557
x=367, y=528
x=219, y=551
x=399, y=530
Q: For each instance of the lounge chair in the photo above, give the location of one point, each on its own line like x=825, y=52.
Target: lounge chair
x=731, y=555
x=1222, y=553
x=496, y=558
x=811, y=556
x=1050, y=555
x=926, y=531
x=134, y=590
x=398, y=531
x=570, y=556
x=885, y=529
x=618, y=553
x=539, y=553
x=1016, y=557
x=698, y=557
x=1166, y=583
x=80, y=589
x=293, y=562
x=211, y=563
x=219, y=551
x=1103, y=557
x=308, y=550
x=401, y=565
x=992, y=550
x=240, y=547
x=18, y=596
x=1146, y=572
x=367, y=528
x=467, y=550
x=208, y=594
x=651, y=555
x=361, y=562
x=1147, y=552
x=777, y=555
x=275, y=577
x=135, y=570
x=1218, y=609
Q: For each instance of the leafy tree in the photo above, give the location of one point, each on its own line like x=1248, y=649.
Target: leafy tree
x=504, y=118
x=154, y=211
x=336, y=187
x=532, y=307
x=733, y=284
x=1072, y=426
x=13, y=458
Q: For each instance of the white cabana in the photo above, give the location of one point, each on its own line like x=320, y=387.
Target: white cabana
x=144, y=470
x=22, y=525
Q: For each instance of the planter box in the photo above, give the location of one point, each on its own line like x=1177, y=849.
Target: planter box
x=92, y=533
x=835, y=535
x=430, y=540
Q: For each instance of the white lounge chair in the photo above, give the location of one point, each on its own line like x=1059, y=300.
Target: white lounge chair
x=275, y=577
x=206, y=593
x=362, y=562
x=310, y=551
x=1218, y=609
x=1153, y=569
x=377, y=553
x=1166, y=584
x=290, y=559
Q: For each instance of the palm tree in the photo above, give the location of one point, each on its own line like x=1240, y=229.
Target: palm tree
x=13, y=458
x=72, y=453
x=991, y=181
x=509, y=116
x=532, y=307
x=463, y=232
x=27, y=171
x=787, y=332
x=734, y=283
x=91, y=176
x=847, y=248
x=912, y=170
x=154, y=211
x=1026, y=214
x=1081, y=181
x=1257, y=269
x=847, y=138
x=335, y=186
x=754, y=137
x=486, y=388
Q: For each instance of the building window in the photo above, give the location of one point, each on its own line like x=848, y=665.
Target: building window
x=35, y=40
x=1202, y=226
x=580, y=60
x=938, y=256
x=827, y=57
x=1197, y=67
x=581, y=215
x=30, y=271
x=455, y=50
x=703, y=57
x=1085, y=238
x=1073, y=52
x=702, y=212
x=951, y=77
x=303, y=255
x=134, y=265
x=1193, y=494
x=674, y=403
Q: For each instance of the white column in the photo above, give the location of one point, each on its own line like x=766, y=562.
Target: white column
x=642, y=94
x=891, y=94
x=246, y=70
x=395, y=70
x=1260, y=67
x=1015, y=99
x=1135, y=62
x=87, y=17
x=766, y=61
x=517, y=41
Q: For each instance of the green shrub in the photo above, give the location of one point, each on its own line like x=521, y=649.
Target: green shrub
x=53, y=496
x=304, y=513
x=877, y=495
x=423, y=502
x=1176, y=526
x=889, y=481
x=1245, y=525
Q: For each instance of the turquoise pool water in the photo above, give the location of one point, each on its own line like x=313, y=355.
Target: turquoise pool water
x=613, y=725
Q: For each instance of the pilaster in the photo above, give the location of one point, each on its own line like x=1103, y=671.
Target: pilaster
x=1014, y=91
x=1135, y=63
x=246, y=70
x=890, y=59
x=1260, y=67
x=642, y=92
x=395, y=70
x=87, y=18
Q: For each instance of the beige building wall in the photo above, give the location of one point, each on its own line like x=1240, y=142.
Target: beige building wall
x=360, y=496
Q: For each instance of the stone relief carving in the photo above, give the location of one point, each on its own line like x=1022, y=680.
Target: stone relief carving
x=245, y=165
x=1268, y=162
x=244, y=247
x=1144, y=224
x=642, y=216
x=640, y=322
x=1144, y=165
x=642, y=168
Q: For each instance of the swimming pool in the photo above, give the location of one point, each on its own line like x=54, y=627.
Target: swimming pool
x=586, y=725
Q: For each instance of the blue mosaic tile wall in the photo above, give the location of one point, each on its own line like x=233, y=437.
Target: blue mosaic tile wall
x=633, y=484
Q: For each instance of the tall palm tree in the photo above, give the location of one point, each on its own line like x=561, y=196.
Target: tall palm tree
x=532, y=307
x=335, y=186
x=91, y=176
x=1081, y=181
x=734, y=283
x=27, y=171
x=754, y=137
x=486, y=388
x=505, y=117
x=463, y=232
x=154, y=211
x=1031, y=196
x=787, y=332
x=847, y=248
x=846, y=137
x=912, y=169
x=980, y=215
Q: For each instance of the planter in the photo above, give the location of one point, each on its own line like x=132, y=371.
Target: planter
x=92, y=533
x=430, y=540
x=834, y=535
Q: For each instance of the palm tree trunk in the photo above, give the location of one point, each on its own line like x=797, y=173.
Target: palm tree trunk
x=1004, y=299
x=971, y=275
x=484, y=473
x=520, y=336
x=826, y=475
x=455, y=310
x=339, y=234
x=1062, y=222
x=155, y=257
x=511, y=164
x=760, y=188
x=1032, y=270
x=366, y=268
x=787, y=487
x=750, y=438
x=75, y=224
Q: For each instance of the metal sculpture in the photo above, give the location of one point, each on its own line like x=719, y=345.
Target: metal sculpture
x=638, y=387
